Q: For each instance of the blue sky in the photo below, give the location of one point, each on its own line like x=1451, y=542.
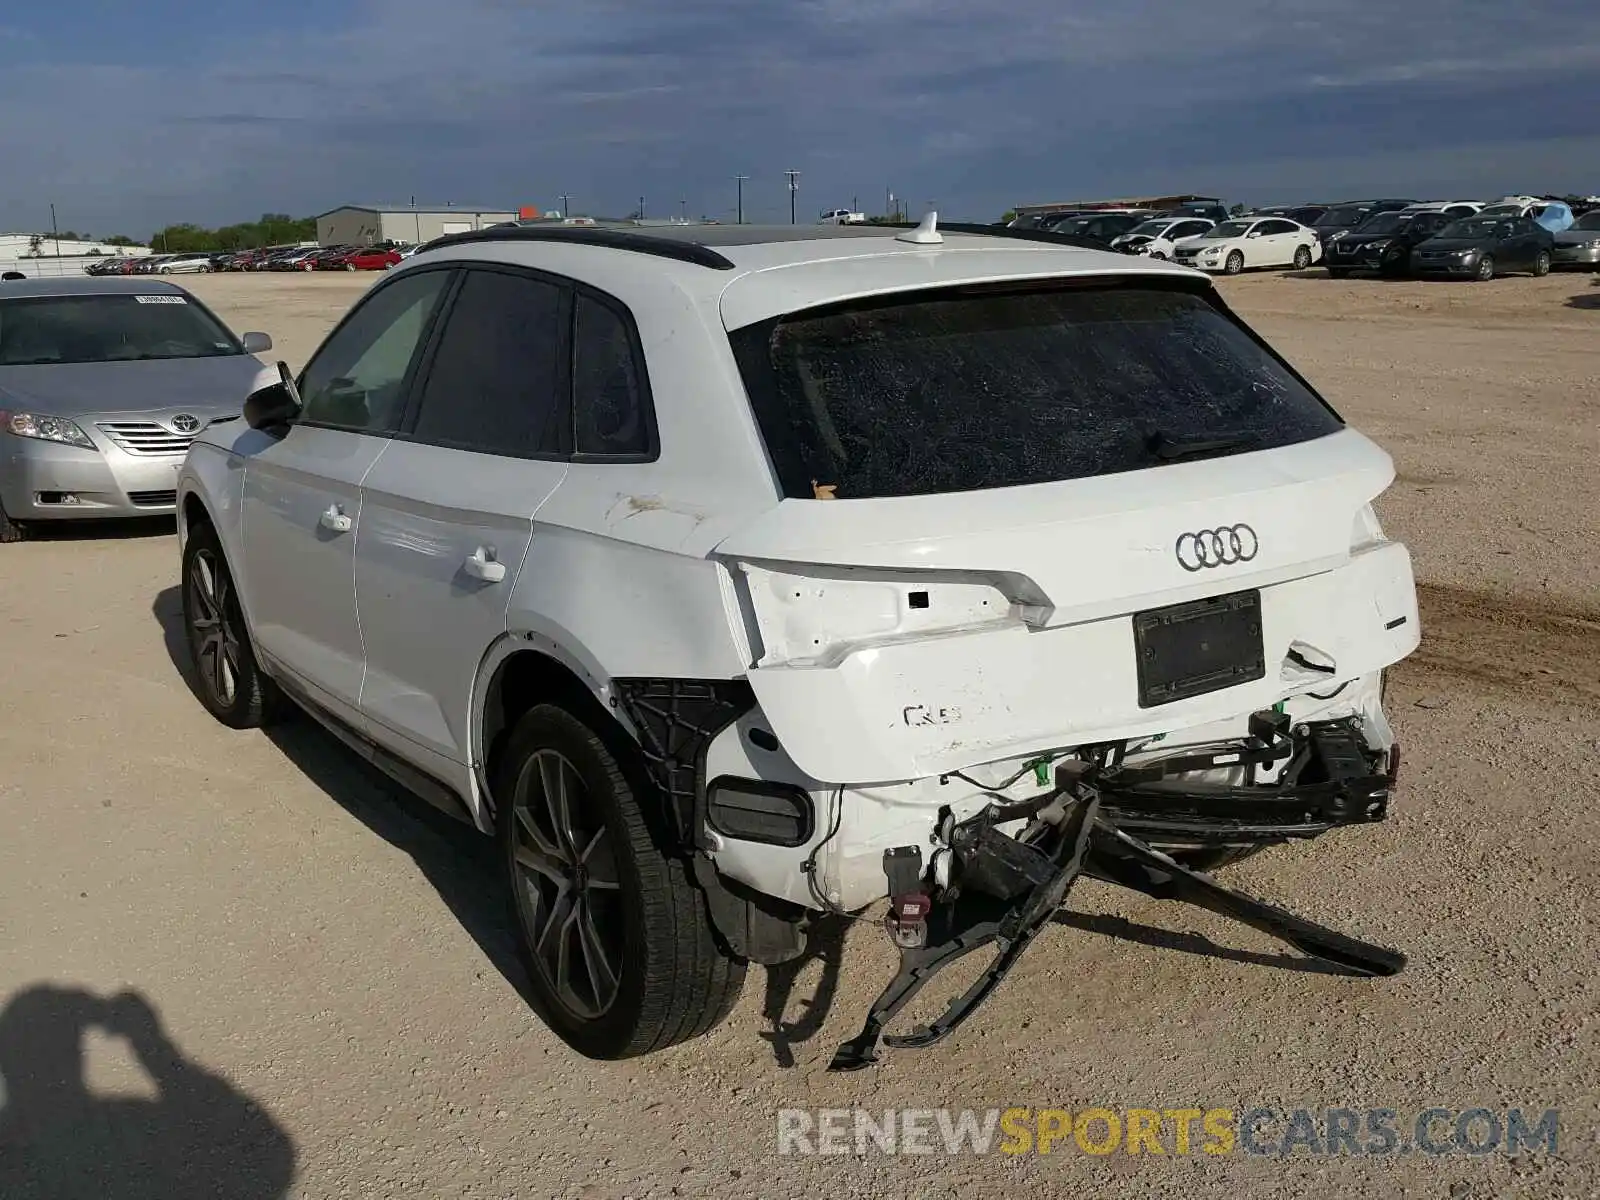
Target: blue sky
x=128, y=116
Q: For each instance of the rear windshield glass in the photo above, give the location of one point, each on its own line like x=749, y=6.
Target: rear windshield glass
x=958, y=393
x=108, y=328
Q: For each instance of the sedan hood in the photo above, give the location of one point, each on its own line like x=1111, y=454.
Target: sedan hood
x=207, y=386
x=1577, y=237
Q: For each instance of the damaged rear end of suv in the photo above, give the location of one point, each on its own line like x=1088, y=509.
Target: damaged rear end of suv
x=1070, y=575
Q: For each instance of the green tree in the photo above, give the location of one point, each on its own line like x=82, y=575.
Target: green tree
x=1008, y=216
x=119, y=239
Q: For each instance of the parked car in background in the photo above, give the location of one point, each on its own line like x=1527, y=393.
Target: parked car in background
x=1157, y=238
x=1383, y=242
x=1578, y=245
x=1300, y=214
x=186, y=264
x=1483, y=246
x=1247, y=243
x=1341, y=218
x=1451, y=208
x=103, y=385
x=842, y=216
x=362, y=258
x=1103, y=226
x=1554, y=215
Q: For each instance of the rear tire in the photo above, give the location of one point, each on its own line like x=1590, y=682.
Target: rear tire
x=616, y=939
x=10, y=531
x=228, y=679
x=1302, y=257
x=1235, y=263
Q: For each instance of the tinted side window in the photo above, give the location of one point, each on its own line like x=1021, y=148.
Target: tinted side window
x=358, y=379
x=1185, y=229
x=1277, y=227
x=496, y=383
x=609, y=401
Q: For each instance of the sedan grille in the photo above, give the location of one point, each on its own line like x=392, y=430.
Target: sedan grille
x=153, y=499
x=146, y=438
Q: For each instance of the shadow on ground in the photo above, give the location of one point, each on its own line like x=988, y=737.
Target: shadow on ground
x=58, y=1141
x=459, y=862
x=77, y=530
x=1191, y=943
x=1586, y=300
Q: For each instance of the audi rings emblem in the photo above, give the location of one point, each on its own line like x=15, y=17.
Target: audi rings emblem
x=184, y=423
x=1217, y=547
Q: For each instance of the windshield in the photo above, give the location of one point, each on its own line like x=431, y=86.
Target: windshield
x=1349, y=215
x=1389, y=222
x=108, y=328
x=1589, y=220
x=953, y=393
x=1228, y=229
x=1472, y=227
x=1501, y=210
x=1151, y=228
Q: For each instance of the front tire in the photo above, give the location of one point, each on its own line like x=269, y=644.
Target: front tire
x=1235, y=263
x=1485, y=271
x=1541, y=264
x=616, y=939
x=228, y=679
x=1302, y=257
x=10, y=531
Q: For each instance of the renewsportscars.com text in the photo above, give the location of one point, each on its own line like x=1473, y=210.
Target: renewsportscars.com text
x=1262, y=1132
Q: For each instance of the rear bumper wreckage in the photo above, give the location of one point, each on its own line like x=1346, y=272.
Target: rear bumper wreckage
x=987, y=887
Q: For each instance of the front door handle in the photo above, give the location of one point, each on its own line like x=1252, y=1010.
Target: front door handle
x=336, y=519
x=481, y=564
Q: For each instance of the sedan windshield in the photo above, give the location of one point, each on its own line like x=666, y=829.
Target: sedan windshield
x=1228, y=229
x=1472, y=227
x=1389, y=222
x=1589, y=220
x=1151, y=228
x=115, y=328
x=1347, y=216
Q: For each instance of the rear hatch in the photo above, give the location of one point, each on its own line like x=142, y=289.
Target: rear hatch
x=1026, y=517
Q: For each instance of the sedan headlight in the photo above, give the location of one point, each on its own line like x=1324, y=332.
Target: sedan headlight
x=45, y=429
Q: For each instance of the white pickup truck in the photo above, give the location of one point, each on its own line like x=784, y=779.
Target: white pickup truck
x=842, y=216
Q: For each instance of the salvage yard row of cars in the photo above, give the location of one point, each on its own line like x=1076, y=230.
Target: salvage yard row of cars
x=272, y=258
x=1391, y=237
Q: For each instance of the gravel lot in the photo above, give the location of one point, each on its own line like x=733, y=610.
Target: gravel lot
x=333, y=980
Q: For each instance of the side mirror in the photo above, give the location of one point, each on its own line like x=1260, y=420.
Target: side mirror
x=274, y=406
x=256, y=343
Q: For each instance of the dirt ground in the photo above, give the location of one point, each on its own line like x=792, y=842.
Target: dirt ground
x=323, y=995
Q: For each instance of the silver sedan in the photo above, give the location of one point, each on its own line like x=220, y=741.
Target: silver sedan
x=1578, y=245
x=103, y=385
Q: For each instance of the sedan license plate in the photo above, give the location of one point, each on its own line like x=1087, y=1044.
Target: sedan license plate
x=1203, y=646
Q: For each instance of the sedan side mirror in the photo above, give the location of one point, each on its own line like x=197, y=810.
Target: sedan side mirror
x=256, y=343
x=274, y=406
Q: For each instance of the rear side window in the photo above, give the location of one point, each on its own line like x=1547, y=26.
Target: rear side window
x=496, y=384
x=987, y=390
x=610, y=407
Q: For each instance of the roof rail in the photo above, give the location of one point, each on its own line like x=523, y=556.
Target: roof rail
x=613, y=239
x=1006, y=231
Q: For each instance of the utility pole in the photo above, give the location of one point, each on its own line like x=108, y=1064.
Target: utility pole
x=55, y=230
x=566, y=206
x=794, y=186
x=683, y=210
x=739, y=180
x=641, y=208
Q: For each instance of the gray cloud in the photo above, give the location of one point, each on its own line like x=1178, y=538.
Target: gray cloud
x=516, y=102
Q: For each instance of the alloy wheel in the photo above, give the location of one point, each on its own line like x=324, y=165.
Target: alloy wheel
x=567, y=885
x=212, y=635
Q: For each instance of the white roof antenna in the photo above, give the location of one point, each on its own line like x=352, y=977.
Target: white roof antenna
x=925, y=234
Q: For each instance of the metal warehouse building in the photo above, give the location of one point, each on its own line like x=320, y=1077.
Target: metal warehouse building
x=364, y=225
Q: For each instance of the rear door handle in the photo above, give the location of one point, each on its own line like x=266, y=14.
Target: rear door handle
x=336, y=519
x=482, y=564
